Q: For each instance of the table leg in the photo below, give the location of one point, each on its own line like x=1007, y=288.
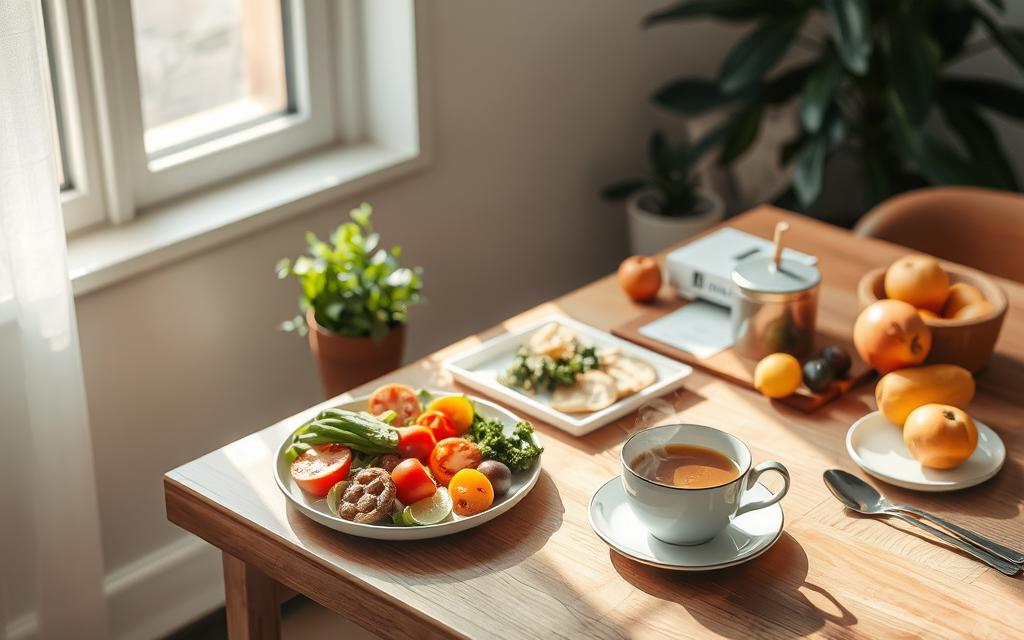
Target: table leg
x=252, y=602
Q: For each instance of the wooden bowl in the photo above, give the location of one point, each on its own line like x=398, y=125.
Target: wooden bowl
x=967, y=343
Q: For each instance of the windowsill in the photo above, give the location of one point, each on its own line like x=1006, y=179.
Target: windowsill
x=158, y=236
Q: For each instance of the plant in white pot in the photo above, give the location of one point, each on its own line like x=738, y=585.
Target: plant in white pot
x=667, y=205
x=355, y=302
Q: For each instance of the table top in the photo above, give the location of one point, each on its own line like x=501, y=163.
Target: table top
x=540, y=571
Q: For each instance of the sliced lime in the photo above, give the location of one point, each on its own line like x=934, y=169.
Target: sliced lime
x=406, y=517
x=334, y=496
x=433, y=509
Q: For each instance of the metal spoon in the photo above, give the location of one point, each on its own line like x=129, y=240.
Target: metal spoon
x=863, y=498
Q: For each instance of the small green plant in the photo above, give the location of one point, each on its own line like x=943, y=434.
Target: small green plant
x=354, y=287
x=672, y=177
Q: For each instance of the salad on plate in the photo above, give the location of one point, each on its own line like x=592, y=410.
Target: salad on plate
x=410, y=459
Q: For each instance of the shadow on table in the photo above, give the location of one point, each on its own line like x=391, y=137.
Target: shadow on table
x=997, y=498
x=503, y=542
x=769, y=595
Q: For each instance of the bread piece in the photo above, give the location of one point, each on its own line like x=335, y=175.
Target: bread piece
x=593, y=391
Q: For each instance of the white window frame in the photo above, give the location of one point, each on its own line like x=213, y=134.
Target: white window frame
x=83, y=203
x=353, y=81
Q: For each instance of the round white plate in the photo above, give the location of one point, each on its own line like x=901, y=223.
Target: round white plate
x=316, y=508
x=746, y=537
x=876, y=445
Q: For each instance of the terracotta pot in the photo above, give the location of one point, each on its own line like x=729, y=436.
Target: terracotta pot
x=967, y=343
x=345, y=362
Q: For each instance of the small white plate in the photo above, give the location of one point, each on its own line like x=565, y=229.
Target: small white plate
x=876, y=445
x=746, y=537
x=481, y=366
x=316, y=508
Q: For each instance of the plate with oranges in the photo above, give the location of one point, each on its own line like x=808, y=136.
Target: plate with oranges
x=936, y=450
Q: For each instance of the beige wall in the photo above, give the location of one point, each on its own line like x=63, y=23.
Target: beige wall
x=536, y=105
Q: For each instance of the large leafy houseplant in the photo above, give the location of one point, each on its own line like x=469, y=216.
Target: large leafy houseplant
x=878, y=71
x=354, y=287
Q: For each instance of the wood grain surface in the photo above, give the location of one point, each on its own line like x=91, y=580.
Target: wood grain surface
x=540, y=572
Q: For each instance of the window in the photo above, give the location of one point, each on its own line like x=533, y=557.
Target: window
x=158, y=100
x=208, y=68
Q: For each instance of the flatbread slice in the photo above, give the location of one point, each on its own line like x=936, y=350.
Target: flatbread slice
x=593, y=391
x=553, y=340
x=630, y=375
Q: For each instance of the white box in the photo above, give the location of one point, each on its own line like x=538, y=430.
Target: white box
x=703, y=268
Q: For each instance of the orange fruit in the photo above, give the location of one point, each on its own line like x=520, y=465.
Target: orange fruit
x=927, y=315
x=940, y=436
x=918, y=280
x=960, y=295
x=890, y=335
x=640, y=278
x=974, y=310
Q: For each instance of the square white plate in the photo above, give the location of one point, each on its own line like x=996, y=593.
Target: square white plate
x=480, y=367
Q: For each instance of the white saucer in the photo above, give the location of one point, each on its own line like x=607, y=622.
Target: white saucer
x=746, y=537
x=876, y=445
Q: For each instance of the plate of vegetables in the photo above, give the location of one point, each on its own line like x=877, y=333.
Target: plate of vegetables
x=405, y=465
x=567, y=373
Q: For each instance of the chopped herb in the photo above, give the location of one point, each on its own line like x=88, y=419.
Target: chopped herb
x=532, y=372
x=517, y=451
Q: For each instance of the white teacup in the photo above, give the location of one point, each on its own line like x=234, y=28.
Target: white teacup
x=682, y=515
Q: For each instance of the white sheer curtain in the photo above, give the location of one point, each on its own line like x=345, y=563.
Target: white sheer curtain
x=51, y=562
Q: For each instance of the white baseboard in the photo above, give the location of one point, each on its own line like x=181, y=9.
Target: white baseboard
x=154, y=595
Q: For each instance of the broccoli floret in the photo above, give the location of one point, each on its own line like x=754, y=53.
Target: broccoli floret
x=516, y=451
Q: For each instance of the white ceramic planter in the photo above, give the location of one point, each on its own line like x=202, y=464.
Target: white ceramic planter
x=650, y=232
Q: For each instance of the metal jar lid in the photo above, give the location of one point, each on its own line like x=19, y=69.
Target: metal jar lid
x=759, y=277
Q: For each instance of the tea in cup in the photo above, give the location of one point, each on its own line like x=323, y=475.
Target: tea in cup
x=686, y=482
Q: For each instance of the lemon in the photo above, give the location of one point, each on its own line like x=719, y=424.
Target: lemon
x=431, y=510
x=777, y=375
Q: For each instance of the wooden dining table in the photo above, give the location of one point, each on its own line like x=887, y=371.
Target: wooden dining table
x=540, y=571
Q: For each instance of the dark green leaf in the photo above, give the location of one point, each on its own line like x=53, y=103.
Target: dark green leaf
x=876, y=176
x=998, y=4
x=659, y=154
x=733, y=10
x=981, y=143
x=809, y=169
x=950, y=23
x=690, y=96
x=937, y=161
x=991, y=94
x=818, y=91
x=623, y=189
x=757, y=53
x=786, y=85
x=1010, y=40
x=742, y=133
x=851, y=31
x=913, y=65
x=789, y=150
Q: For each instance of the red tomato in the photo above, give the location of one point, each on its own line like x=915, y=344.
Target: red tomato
x=322, y=467
x=415, y=442
x=452, y=455
x=438, y=423
x=398, y=398
x=412, y=481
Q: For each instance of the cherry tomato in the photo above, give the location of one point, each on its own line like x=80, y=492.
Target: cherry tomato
x=398, y=398
x=471, y=492
x=321, y=467
x=415, y=442
x=438, y=423
x=412, y=481
x=458, y=409
x=452, y=455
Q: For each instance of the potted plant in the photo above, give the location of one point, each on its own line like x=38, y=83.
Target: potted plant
x=666, y=206
x=864, y=85
x=355, y=302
